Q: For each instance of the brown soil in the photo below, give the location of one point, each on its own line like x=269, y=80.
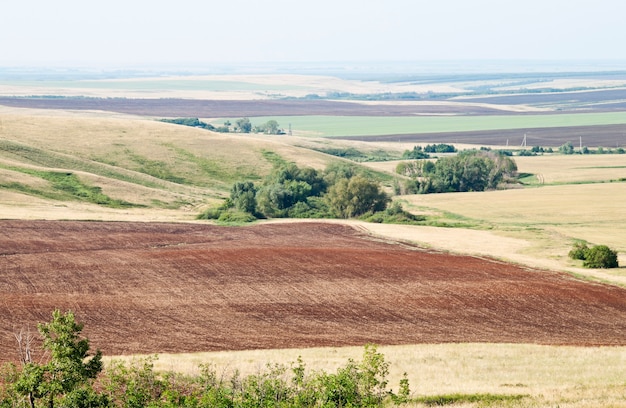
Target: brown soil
x=151, y=287
x=610, y=136
x=241, y=108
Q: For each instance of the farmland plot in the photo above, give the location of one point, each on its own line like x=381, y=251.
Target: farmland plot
x=150, y=287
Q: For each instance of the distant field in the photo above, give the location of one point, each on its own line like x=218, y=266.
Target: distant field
x=337, y=126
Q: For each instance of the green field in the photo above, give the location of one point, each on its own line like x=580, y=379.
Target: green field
x=337, y=126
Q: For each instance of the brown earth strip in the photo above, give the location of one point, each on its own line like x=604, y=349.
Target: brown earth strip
x=590, y=98
x=151, y=287
x=609, y=136
x=243, y=108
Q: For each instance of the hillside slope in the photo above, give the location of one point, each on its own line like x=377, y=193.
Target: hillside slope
x=123, y=162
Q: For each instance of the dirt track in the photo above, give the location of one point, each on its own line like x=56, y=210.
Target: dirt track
x=148, y=287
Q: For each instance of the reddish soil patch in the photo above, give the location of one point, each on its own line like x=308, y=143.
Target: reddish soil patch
x=148, y=287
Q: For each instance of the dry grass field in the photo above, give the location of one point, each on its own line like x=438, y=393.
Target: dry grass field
x=572, y=377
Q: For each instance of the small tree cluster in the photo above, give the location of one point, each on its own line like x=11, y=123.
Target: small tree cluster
x=416, y=154
x=472, y=170
x=291, y=191
x=598, y=256
x=440, y=148
x=244, y=125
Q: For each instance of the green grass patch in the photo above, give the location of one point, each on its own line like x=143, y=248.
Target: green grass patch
x=274, y=158
x=154, y=168
x=66, y=186
x=330, y=126
x=101, y=166
x=480, y=399
x=215, y=170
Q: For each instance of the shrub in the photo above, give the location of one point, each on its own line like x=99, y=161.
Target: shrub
x=600, y=256
x=579, y=251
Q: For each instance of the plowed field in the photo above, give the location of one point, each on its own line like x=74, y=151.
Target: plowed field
x=150, y=287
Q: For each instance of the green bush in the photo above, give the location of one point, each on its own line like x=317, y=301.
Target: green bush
x=579, y=251
x=598, y=256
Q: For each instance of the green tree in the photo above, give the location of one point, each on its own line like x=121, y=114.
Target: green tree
x=69, y=369
x=244, y=125
x=416, y=153
x=567, y=148
x=600, y=256
x=272, y=127
x=243, y=196
x=356, y=196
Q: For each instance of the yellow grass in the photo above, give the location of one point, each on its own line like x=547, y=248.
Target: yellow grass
x=550, y=375
x=549, y=219
x=574, y=168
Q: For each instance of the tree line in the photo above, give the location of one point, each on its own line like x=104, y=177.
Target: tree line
x=243, y=125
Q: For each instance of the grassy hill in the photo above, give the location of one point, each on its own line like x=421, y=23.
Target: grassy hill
x=132, y=163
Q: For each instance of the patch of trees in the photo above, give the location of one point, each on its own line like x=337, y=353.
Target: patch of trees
x=423, y=153
x=470, y=170
x=193, y=122
x=73, y=379
x=244, y=125
x=598, y=256
x=290, y=191
x=568, y=148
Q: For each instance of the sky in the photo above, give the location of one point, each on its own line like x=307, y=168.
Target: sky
x=142, y=33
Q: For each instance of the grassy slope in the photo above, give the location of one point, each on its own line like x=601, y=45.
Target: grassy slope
x=142, y=162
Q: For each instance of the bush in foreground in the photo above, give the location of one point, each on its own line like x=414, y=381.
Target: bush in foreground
x=598, y=256
x=67, y=380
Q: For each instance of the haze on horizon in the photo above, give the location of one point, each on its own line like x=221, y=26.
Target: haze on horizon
x=194, y=33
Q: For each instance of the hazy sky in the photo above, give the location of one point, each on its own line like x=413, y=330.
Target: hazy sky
x=129, y=33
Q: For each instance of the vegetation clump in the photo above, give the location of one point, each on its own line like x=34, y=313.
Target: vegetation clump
x=598, y=256
x=290, y=191
x=471, y=170
x=73, y=378
x=67, y=375
x=193, y=122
